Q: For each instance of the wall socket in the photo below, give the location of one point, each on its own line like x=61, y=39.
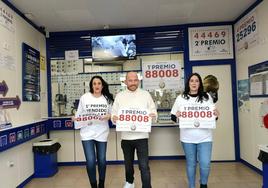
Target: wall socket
x=10, y=163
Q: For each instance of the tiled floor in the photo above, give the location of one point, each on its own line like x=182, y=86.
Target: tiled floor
x=165, y=174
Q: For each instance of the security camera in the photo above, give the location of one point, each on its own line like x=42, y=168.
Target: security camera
x=42, y=28
x=106, y=27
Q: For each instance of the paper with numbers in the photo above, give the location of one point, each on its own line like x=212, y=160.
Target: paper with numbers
x=246, y=32
x=133, y=120
x=213, y=42
x=161, y=75
x=197, y=116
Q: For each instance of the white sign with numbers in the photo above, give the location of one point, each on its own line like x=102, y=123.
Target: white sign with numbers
x=161, y=75
x=246, y=32
x=214, y=42
x=134, y=120
x=197, y=116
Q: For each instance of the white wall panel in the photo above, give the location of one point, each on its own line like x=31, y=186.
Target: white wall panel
x=223, y=135
x=251, y=132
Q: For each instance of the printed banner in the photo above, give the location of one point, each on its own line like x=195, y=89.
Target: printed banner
x=214, y=42
x=197, y=116
x=246, y=32
x=134, y=120
x=161, y=75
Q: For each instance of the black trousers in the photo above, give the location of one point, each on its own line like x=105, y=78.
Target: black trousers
x=141, y=146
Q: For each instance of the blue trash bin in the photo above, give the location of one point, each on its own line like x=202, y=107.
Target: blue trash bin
x=45, y=158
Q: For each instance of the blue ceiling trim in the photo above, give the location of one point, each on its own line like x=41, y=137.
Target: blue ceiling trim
x=248, y=10
x=163, y=39
x=209, y=24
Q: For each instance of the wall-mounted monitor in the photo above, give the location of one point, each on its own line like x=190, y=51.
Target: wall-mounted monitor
x=113, y=48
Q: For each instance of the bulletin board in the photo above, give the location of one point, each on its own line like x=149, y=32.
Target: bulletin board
x=258, y=80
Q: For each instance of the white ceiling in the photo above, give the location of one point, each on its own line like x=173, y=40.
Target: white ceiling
x=75, y=15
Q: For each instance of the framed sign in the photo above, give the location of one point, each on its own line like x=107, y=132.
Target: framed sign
x=197, y=116
x=213, y=42
x=133, y=120
x=258, y=80
x=30, y=73
x=161, y=75
x=246, y=32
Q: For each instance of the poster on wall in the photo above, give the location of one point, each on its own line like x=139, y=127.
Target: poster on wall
x=243, y=95
x=264, y=113
x=164, y=80
x=246, y=32
x=7, y=19
x=7, y=39
x=42, y=63
x=161, y=75
x=30, y=73
x=71, y=55
x=258, y=79
x=213, y=42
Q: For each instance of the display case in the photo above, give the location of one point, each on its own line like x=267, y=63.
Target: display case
x=70, y=80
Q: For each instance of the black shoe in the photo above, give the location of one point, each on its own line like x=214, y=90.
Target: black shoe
x=93, y=184
x=101, y=184
x=203, y=186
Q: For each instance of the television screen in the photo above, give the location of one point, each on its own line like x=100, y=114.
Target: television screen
x=116, y=47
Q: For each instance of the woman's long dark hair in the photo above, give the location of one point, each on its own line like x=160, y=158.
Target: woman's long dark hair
x=105, y=90
x=201, y=95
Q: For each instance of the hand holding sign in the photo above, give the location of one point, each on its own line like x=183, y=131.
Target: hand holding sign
x=106, y=117
x=153, y=116
x=216, y=112
x=114, y=119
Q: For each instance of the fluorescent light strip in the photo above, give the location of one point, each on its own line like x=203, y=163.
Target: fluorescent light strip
x=172, y=34
x=57, y=58
x=162, y=48
x=85, y=37
x=167, y=37
x=88, y=59
x=161, y=32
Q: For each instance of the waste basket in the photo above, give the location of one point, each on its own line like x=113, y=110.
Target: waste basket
x=263, y=157
x=45, y=158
